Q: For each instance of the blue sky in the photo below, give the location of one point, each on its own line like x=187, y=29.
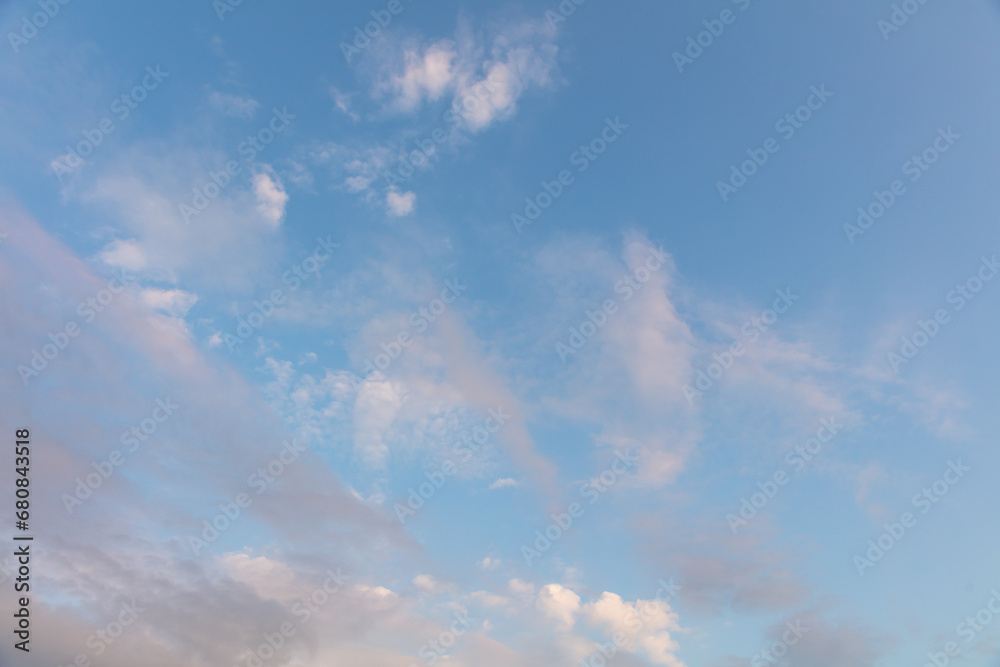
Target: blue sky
x=483, y=270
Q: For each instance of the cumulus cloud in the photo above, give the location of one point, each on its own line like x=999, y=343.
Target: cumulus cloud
x=271, y=197
x=644, y=625
x=426, y=74
x=400, y=203
x=559, y=604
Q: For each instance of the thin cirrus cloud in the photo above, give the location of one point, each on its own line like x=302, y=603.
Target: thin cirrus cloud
x=233, y=105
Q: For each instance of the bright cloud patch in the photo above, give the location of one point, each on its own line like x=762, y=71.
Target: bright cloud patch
x=173, y=302
x=401, y=203
x=271, y=197
x=126, y=254
x=484, y=83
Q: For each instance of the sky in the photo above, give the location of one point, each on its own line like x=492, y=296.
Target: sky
x=402, y=333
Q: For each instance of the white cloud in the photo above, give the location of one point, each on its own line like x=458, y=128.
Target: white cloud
x=484, y=87
x=125, y=254
x=233, y=105
x=560, y=605
x=374, y=411
x=489, y=563
x=141, y=193
x=503, y=483
x=270, y=579
x=400, y=203
x=511, y=73
x=271, y=197
x=356, y=169
x=644, y=624
x=174, y=302
x=520, y=588
x=426, y=74
x=343, y=102
x=425, y=582
x=200, y=609
x=358, y=183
